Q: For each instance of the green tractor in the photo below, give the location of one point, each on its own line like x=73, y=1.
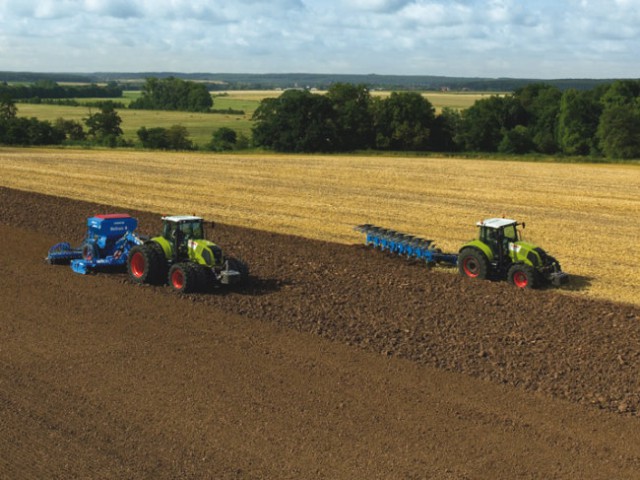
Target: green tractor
x=500, y=253
x=182, y=257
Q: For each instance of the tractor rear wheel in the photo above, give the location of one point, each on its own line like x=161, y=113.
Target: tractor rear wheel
x=184, y=278
x=522, y=276
x=145, y=265
x=473, y=264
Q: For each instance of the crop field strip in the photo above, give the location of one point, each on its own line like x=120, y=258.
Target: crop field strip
x=585, y=215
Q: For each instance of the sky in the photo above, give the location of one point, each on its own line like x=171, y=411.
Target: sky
x=467, y=38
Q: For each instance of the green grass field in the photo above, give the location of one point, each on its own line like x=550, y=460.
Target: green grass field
x=202, y=125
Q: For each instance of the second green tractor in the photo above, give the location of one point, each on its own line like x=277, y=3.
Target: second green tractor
x=182, y=256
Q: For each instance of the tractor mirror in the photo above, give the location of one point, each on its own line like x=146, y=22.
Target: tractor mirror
x=523, y=225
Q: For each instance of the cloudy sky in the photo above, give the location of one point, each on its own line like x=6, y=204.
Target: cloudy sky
x=487, y=38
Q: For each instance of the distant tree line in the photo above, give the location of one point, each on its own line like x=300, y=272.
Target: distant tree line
x=50, y=89
x=71, y=102
x=537, y=118
x=173, y=94
x=102, y=128
x=266, y=81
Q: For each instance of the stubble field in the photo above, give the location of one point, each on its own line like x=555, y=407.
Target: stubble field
x=585, y=215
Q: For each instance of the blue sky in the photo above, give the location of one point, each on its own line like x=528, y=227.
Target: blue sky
x=493, y=38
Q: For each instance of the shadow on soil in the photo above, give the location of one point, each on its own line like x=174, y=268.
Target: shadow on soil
x=254, y=287
x=577, y=283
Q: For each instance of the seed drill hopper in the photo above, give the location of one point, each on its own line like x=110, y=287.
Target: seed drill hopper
x=107, y=243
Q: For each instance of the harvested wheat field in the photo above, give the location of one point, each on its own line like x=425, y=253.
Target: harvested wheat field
x=585, y=215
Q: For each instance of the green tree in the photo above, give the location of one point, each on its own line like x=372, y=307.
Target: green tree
x=175, y=137
x=354, y=121
x=71, y=129
x=403, y=121
x=223, y=139
x=445, y=130
x=541, y=104
x=173, y=94
x=178, y=138
x=578, y=122
x=296, y=121
x=154, y=138
x=620, y=93
x=8, y=109
x=28, y=131
x=104, y=126
x=485, y=123
x=619, y=131
x=517, y=140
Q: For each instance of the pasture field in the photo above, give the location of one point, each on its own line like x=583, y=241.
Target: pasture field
x=200, y=125
x=586, y=215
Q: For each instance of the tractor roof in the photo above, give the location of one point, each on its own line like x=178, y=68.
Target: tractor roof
x=181, y=218
x=496, y=222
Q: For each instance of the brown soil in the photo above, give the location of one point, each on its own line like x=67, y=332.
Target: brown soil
x=334, y=362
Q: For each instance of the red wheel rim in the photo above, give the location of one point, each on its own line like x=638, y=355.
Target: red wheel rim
x=137, y=265
x=177, y=279
x=471, y=267
x=520, y=279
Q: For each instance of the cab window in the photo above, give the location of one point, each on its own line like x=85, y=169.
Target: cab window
x=510, y=233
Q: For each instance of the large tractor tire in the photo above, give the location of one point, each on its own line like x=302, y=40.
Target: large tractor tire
x=146, y=264
x=523, y=276
x=473, y=263
x=185, y=278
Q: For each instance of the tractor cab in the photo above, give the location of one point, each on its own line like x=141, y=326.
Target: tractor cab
x=183, y=238
x=179, y=229
x=500, y=235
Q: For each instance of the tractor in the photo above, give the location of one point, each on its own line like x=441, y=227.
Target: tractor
x=182, y=256
x=499, y=252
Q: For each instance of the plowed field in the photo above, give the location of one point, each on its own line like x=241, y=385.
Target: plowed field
x=335, y=361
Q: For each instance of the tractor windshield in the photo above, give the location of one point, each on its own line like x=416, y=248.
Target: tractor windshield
x=192, y=230
x=510, y=233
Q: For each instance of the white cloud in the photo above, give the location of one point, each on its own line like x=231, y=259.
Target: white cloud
x=458, y=37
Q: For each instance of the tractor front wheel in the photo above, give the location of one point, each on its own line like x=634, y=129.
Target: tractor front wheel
x=184, y=278
x=522, y=276
x=473, y=264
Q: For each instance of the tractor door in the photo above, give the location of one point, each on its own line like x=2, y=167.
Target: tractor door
x=489, y=236
x=494, y=238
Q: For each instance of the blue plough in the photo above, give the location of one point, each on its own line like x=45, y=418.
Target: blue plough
x=405, y=245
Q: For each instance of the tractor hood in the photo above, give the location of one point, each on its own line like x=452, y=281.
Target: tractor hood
x=205, y=252
x=526, y=252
